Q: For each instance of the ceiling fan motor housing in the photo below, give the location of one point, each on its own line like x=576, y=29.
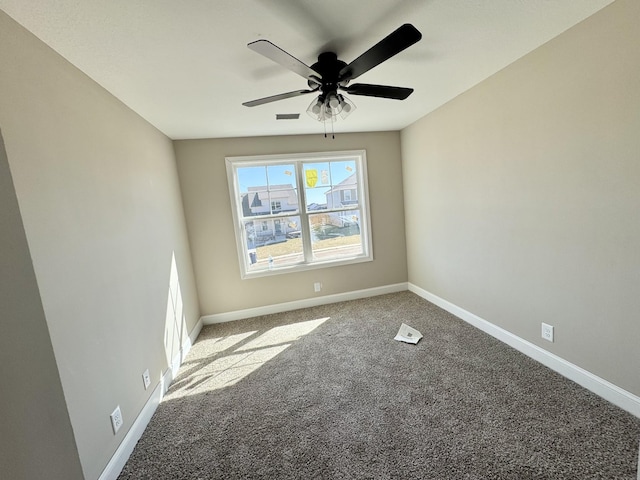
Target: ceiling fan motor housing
x=329, y=67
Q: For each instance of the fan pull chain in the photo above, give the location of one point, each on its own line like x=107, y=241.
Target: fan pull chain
x=324, y=123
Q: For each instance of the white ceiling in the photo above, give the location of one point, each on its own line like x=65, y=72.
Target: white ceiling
x=184, y=65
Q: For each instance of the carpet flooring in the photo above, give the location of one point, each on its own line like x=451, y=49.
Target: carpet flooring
x=326, y=393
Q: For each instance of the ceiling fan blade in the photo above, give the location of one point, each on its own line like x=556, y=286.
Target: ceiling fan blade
x=275, y=98
x=383, y=91
x=394, y=43
x=275, y=53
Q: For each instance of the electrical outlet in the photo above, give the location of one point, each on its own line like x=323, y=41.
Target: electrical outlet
x=317, y=286
x=547, y=332
x=146, y=379
x=116, y=420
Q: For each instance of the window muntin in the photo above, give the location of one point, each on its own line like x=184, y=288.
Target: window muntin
x=331, y=228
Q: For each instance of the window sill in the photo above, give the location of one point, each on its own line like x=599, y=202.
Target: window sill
x=303, y=267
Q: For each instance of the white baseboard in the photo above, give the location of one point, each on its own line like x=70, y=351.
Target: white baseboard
x=122, y=454
x=614, y=394
x=308, y=302
x=179, y=357
x=601, y=387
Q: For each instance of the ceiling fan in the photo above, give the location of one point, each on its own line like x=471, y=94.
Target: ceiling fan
x=329, y=75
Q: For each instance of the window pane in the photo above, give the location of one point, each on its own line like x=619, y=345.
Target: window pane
x=282, y=201
x=317, y=174
x=316, y=199
x=273, y=242
x=335, y=234
x=255, y=203
x=331, y=185
x=344, y=191
x=341, y=170
x=267, y=190
x=281, y=177
x=317, y=181
x=251, y=177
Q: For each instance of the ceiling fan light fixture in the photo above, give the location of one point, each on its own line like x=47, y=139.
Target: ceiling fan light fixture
x=334, y=102
x=324, y=108
x=316, y=109
x=347, y=106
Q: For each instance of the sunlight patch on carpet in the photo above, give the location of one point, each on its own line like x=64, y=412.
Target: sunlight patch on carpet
x=229, y=370
x=219, y=369
x=284, y=334
x=214, y=346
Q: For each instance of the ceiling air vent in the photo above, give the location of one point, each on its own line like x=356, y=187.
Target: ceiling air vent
x=287, y=116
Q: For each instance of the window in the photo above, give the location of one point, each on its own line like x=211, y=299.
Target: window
x=295, y=212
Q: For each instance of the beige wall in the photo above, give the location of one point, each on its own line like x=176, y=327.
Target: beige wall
x=203, y=180
x=99, y=196
x=35, y=430
x=522, y=196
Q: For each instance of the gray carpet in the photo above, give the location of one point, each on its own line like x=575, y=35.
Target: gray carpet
x=294, y=396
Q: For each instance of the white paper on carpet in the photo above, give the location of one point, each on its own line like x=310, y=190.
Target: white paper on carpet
x=408, y=334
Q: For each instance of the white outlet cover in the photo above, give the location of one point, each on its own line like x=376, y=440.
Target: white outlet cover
x=116, y=419
x=146, y=379
x=547, y=332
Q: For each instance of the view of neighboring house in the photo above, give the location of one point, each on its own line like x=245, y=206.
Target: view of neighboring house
x=344, y=193
x=270, y=200
x=260, y=201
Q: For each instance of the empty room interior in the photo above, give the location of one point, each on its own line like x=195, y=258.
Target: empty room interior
x=502, y=189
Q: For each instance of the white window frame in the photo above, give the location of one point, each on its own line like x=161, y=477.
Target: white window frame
x=233, y=163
